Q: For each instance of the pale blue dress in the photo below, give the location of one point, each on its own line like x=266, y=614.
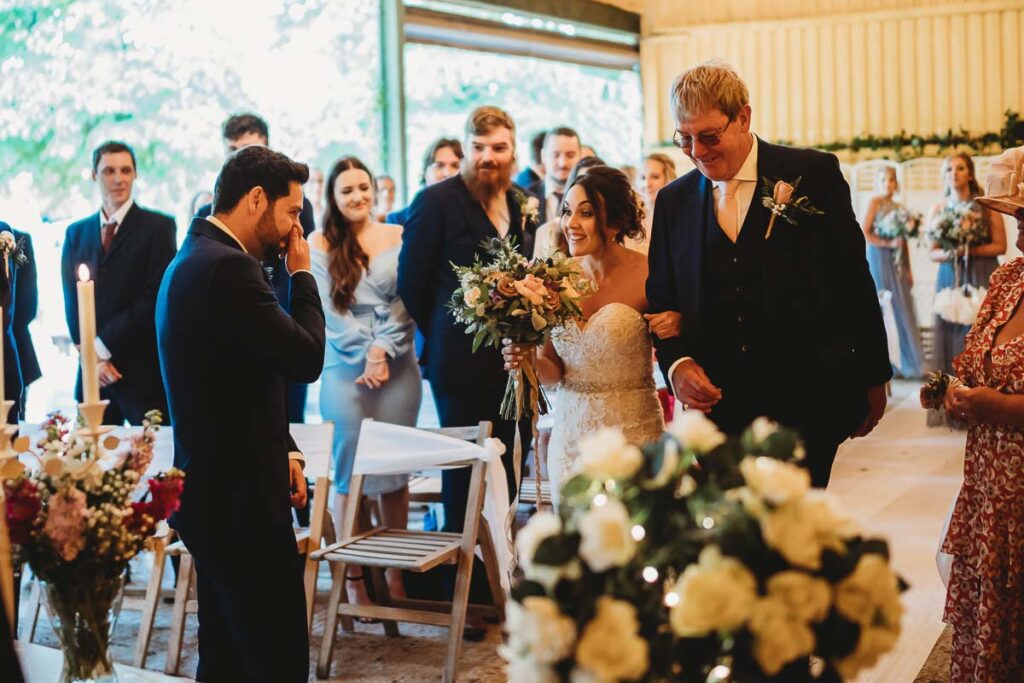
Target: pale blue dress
x=881, y=261
x=377, y=317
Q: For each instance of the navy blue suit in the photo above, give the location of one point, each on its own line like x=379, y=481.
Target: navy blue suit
x=447, y=226
x=26, y=306
x=227, y=348
x=12, y=367
x=127, y=278
x=280, y=282
x=399, y=217
x=787, y=327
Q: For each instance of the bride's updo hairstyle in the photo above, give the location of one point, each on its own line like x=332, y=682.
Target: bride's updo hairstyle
x=616, y=204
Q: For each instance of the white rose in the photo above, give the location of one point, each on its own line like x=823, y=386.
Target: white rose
x=774, y=480
x=471, y=296
x=538, y=630
x=762, y=428
x=802, y=528
x=873, y=643
x=808, y=597
x=606, y=454
x=715, y=594
x=870, y=595
x=780, y=636
x=605, y=538
x=695, y=431
x=610, y=647
x=541, y=526
x=525, y=670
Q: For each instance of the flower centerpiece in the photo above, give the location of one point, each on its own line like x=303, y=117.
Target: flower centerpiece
x=76, y=521
x=698, y=558
x=513, y=298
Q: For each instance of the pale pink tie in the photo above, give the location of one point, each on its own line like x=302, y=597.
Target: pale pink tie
x=729, y=209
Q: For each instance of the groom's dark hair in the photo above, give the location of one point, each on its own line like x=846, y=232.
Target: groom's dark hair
x=255, y=166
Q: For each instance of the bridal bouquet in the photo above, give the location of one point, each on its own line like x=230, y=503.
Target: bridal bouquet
x=511, y=297
x=76, y=522
x=900, y=222
x=698, y=558
x=958, y=224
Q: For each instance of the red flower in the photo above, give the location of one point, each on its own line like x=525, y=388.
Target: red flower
x=165, y=490
x=23, y=507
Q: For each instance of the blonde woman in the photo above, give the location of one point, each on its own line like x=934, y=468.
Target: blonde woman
x=658, y=171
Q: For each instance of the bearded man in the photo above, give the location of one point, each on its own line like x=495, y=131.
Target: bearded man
x=448, y=223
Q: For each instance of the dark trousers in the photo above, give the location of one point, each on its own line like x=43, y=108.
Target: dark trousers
x=252, y=620
x=825, y=413
x=465, y=408
x=118, y=411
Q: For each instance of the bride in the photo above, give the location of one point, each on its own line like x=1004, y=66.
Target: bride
x=602, y=364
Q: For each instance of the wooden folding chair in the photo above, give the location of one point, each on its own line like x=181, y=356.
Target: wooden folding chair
x=380, y=548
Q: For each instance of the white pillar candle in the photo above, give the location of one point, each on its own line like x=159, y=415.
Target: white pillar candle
x=87, y=335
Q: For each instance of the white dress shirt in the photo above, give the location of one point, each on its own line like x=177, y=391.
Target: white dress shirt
x=747, y=177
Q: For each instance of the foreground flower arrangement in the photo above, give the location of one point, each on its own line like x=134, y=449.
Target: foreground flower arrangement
x=76, y=521
x=698, y=558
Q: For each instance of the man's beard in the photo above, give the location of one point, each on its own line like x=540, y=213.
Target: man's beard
x=267, y=236
x=485, y=188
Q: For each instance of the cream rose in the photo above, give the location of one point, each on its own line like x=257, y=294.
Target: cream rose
x=610, y=647
x=780, y=636
x=715, y=594
x=605, y=538
x=522, y=670
x=606, y=454
x=762, y=428
x=471, y=296
x=803, y=527
x=541, y=526
x=531, y=288
x=806, y=596
x=538, y=630
x=870, y=595
x=568, y=289
x=873, y=643
x=774, y=480
x=695, y=431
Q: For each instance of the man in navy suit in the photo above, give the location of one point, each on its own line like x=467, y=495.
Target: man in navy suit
x=8, y=297
x=240, y=131
x=26, y=305
x=126, y=249
x=534, y=171
x=227, y=349
x=783, y=323
x=447, y=223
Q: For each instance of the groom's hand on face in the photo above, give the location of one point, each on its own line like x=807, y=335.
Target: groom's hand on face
x=694, y=388
x=297, y=256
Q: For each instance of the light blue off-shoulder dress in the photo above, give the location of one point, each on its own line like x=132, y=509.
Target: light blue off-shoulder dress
x=377, y=317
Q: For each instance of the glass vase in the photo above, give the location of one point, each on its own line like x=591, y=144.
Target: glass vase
x=82, y=614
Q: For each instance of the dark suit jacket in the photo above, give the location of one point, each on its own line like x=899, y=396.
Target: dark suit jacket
x=536, y=188
x=826, y=323
x=226, y=351
x=26, y=305
x=127, y=278
x=12, y=366
x=447, y=226
x=278, y=272
x=399, y=217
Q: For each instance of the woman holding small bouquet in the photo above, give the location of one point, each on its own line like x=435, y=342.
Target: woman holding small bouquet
x=602, y=362
x=888, y=227
x=965, y=241
x=985, y=594
x=370, y=367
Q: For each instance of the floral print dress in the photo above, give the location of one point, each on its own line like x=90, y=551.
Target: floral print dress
x=985, y=598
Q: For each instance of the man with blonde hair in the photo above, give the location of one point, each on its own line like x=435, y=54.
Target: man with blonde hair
x=759, y=250
x=447, y=224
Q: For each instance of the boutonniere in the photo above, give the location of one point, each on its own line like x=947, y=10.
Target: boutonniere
x=13, y=250
x=778, y=197
x=529, y=207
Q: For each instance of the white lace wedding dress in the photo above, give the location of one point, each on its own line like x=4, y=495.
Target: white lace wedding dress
x=608, y=381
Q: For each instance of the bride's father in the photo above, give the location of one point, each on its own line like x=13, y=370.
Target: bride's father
x=780, y=316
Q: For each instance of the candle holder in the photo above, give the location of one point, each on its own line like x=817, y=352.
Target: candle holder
x=92, y=413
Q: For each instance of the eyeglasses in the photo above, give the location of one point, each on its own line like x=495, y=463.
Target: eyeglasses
x=685, y=142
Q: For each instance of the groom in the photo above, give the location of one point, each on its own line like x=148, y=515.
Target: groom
x=783, y=323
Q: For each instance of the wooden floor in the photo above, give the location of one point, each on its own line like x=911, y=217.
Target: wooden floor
x=899, y=483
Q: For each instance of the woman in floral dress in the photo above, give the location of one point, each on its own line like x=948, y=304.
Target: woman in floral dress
x=985, y=598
